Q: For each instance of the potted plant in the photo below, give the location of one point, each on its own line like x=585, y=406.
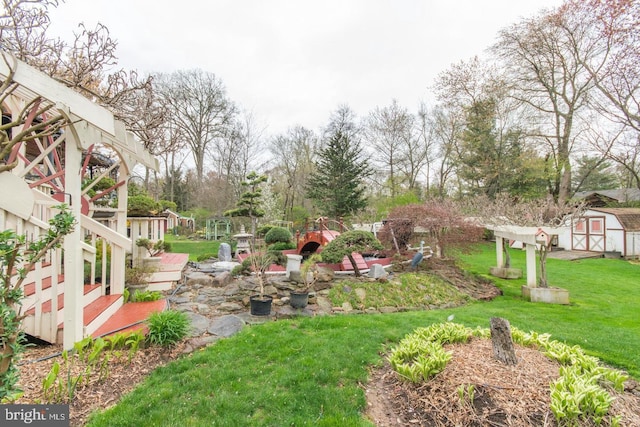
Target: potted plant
x=299, y=298
x=153, y=248
x=137, y=278
x=259, y=263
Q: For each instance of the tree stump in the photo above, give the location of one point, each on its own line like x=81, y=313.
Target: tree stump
x=503, y=348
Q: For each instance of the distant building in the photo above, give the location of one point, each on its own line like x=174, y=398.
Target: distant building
x=601, y=198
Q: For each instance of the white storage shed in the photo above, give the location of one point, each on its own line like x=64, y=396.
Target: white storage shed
x=605, y=230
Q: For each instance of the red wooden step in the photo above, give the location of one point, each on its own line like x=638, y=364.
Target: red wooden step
x=96, y=308
x=46, y=306
x=30, y=288
x=130, y=317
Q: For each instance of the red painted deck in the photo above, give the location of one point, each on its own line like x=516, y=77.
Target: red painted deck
x=174, y=258
x=130, y=316
x=96, y=308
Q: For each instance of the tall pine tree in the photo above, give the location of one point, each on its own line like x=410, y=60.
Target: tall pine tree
x=336, y=186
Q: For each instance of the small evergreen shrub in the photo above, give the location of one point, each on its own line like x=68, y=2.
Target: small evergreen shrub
x=204, y=257
x=277, y=234
x=282, y=246
x=166, y=328
x=264, y=229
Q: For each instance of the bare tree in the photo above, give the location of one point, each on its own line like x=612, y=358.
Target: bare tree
x=426, y=145
x=507, y=210
x=447, y=126
x=239, y=152
x=389, y=131
x=199, y=108
x=614, y=29
x=293, y=154
x=539, y=57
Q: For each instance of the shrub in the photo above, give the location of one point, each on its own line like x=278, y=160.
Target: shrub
x=277, y=234
x=204, y=257
x=282, y=246
x=142, y=206
x=167, y=327
x=264, y=229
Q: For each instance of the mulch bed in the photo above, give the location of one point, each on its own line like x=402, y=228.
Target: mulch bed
x=502, y=395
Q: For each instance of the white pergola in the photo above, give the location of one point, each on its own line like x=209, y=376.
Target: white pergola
x=89, y=124
x=531, y=237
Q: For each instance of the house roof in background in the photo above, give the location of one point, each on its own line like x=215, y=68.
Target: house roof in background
x=619, y=195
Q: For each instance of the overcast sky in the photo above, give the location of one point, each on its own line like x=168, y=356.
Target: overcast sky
x=293, y=62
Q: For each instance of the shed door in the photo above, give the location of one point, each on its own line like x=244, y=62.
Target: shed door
x=589, y=234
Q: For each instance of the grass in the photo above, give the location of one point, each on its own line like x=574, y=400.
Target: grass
x=309, y=371
x=194, y=248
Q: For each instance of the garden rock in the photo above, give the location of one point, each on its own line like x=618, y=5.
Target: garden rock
x=199, y=324
x=222, y=279
x=198, y=278
x=377, y=271
x=226, y=326
x=325, y=274
x=224, y=252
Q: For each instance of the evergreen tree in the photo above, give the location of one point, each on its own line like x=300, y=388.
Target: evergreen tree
x=594, y=173
x=336, y=186
x=493, y=160
x=250, y=201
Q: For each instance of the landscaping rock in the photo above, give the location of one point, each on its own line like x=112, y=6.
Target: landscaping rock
x=199, y=324
x=377, y=271
x=222, y=279
x=226, y=326
x=199, y=278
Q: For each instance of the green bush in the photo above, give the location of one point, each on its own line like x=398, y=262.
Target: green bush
x=204, y=257
x=142, y=206
x=167, y=327
x=277, y=234
x=141, y=296
x=264, y=229
x=282, y=246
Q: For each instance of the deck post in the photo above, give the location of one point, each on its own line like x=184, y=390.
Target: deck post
x=73, y=261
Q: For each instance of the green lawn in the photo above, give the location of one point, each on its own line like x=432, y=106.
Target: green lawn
x=194, y=248
x=309, y=371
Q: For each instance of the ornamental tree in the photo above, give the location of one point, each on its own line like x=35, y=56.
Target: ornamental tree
x=347, y=243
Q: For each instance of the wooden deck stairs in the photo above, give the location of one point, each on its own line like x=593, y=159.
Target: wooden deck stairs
x=103, y=314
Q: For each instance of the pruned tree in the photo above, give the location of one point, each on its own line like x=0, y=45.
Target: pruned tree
x=346, y=244
x=249, y=204
x=507, y=210
x=37, y=119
